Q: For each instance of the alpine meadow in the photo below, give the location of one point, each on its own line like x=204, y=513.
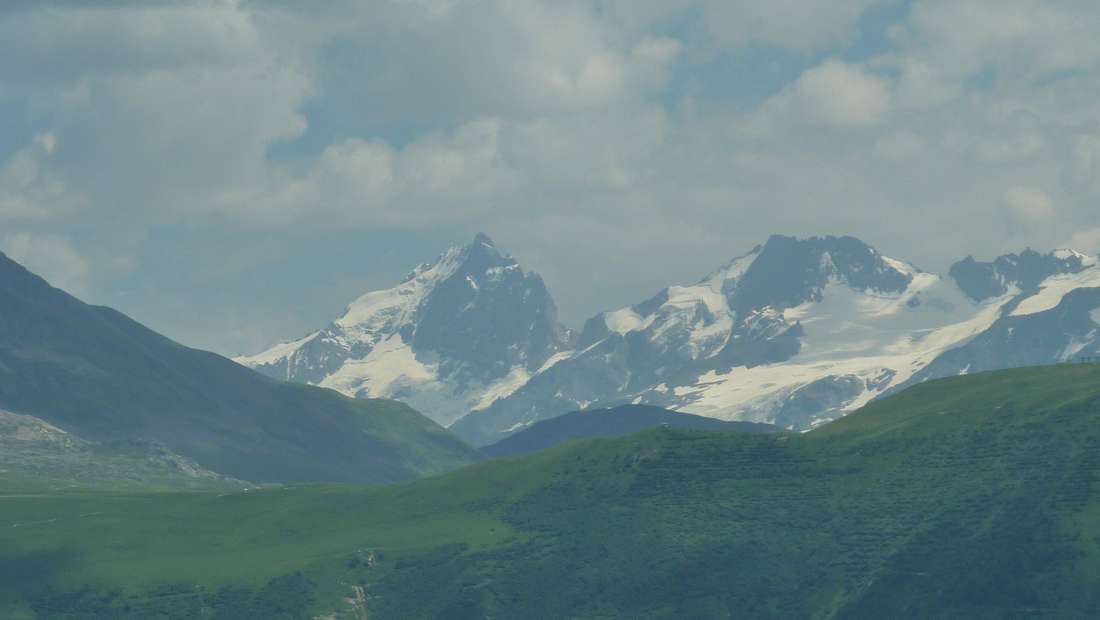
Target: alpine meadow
x=576, y=309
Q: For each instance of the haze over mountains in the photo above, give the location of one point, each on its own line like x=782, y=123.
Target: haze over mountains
x=796, y=332
x=455, y=334
x=967, y=497
x=102, y=378
x=614, y=422
x=885, y=513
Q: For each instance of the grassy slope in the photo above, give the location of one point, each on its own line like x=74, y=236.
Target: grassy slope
x=40, y=457
x=968, y=497
x=102, y=376
x=614, y=422
x=111, y=467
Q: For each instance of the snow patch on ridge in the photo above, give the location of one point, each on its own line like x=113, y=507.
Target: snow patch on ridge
x=1075, y=346
x=880, y=339
x=390, y=367
x=1067, y=254
x=700, y=310
x=624, y=321
x=404, y=342
x=554, y=359
x=1054, y=288
x=853, y=336
x=731, y=271
x=503, y=388
x=901, y=266
x=379, y=311
x=276, y=353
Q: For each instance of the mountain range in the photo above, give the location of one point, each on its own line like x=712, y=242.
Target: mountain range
x=104, y=380
x=797, y=332
x=456, y=334
x=970, y=496
x=613, y=422
x=37, y=455
x=967, y=497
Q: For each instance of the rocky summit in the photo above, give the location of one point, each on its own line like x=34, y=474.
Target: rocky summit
x=453, y=336
x=796, y=332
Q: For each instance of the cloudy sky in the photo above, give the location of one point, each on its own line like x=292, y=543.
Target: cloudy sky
x=232, y=173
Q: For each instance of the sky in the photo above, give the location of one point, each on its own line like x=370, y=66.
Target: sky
x=234, y=172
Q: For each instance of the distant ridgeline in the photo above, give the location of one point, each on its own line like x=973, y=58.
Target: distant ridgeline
x=614, y=422
x=103, y=381
x=795, y=333
x=969, y=497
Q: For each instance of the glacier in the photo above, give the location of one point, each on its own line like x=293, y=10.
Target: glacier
x=796, y=332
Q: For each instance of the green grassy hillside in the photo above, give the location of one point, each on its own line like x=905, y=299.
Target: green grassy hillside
x=103, y=377
x=40, y=457
x=613, y=422
x=971, y=497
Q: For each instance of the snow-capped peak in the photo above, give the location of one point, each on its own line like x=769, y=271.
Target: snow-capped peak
x=1025, y=271
x=788, y=271
x=797, y=332
x=1067, y=254
x=727, y=275
x=443, y=338
x=391, y=308
x=757, y=308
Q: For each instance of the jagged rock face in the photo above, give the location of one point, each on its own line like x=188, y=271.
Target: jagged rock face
x=669, y=348
x=487, y=318
x=1065, y=332
x=1025, y=271
x=788, y=272
x=800, y=332
x=465, y=327
x=797, y=333
x=109, y=380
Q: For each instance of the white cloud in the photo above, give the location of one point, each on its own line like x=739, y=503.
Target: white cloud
x=29, y=188
x=901, y=145
x=571, y=130
x=50, y=256
x=1085, y=240
x=153, y=110
x=489, y=167
x=841, y=94
x=1017, y=40
x=59, y=43
x=437, y=178
x=802, y=26
x=834, y=95
x=922, y=85
x=47, y=142
x=1085, y=160
x=438, y=63
x=1029, y=203
x=1019, y=135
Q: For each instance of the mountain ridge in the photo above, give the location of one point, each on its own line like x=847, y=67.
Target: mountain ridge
x=607, y=423
x=796, y=332
x=36, y=454
x=94, y=372
x=470, y=323
x=966, y=497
